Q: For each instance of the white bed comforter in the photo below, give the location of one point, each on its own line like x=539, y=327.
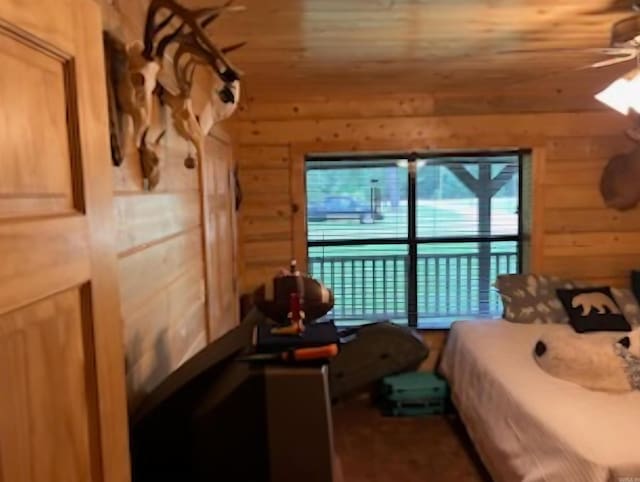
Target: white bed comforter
x=531, y=427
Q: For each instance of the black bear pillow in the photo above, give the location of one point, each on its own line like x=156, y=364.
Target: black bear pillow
x=593, y=309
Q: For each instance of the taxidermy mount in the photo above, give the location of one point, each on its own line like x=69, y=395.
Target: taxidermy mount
x=116, y=61
x=620, y=181
x=175, y=44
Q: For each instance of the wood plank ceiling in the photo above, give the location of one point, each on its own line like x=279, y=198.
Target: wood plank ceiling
x=306, y=48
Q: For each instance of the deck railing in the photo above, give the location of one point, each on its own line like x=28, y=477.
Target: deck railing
x=375, y=287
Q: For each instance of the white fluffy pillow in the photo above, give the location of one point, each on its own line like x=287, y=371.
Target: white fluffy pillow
x=603, y=361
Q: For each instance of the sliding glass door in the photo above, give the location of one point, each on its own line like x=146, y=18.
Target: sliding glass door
x=415, y=239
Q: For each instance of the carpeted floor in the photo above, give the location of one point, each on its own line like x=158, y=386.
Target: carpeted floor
x=373, y=448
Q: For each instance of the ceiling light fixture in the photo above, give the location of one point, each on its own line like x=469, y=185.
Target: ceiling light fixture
x=623, y=94
x=404, y=163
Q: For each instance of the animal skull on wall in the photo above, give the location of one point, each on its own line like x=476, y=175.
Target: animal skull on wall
x=144, y=64
x=219, y=107
x=136, y=89
x=149, y=161
x=195, y=49
x=185, y=120
x=188, y=56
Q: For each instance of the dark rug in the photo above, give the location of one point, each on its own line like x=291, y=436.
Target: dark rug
x=373, y=448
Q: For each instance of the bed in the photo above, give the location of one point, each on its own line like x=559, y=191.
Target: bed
x=528, y=426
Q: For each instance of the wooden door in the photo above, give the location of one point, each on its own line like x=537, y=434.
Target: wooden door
x=62, y=402
x=220, y=233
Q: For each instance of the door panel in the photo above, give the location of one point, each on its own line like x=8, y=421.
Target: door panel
x=41, y=257
x=62, y=402
x=34, y=135
x=43, y=370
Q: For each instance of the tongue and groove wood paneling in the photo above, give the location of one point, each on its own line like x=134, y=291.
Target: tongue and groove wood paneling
x=159, y=243
x=380, y=47
x=582, y=238
x=176, y=244
x=161, y=240
x=265, y=223
x=573, y=234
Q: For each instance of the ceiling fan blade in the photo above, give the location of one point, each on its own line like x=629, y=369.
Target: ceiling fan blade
x=595, y=51
x=616, y=6
x=609, y=62
x=620, y=51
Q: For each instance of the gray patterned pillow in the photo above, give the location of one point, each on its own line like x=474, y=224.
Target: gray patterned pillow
x=531, y=298
x=628, y=304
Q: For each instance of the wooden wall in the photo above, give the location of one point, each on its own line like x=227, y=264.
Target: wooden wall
x=385, y=46
x=573, y=234
x=571, y=135
x=166, y=245
x=176, y=244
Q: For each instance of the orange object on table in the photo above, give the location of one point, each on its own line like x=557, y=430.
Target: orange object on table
x=312, y=353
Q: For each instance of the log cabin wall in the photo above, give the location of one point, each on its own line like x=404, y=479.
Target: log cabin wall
x=572, y=137
x=168, y=309
x=176, y=244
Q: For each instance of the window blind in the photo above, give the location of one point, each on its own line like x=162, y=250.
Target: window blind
x=416, y=241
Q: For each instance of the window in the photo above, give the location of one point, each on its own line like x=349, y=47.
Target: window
x=418, y=240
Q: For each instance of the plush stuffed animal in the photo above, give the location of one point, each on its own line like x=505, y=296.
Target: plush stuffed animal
x=603, y=361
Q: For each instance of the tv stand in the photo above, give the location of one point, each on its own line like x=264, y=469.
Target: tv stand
x=298, y=398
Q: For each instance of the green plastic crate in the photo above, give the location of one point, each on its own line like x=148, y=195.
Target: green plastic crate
x=414, y=409
x=414, y=386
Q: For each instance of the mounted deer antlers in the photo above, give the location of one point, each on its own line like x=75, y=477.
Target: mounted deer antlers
x=189, y=54
x=193, y=44
x=195, y=21
x=193, y=48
